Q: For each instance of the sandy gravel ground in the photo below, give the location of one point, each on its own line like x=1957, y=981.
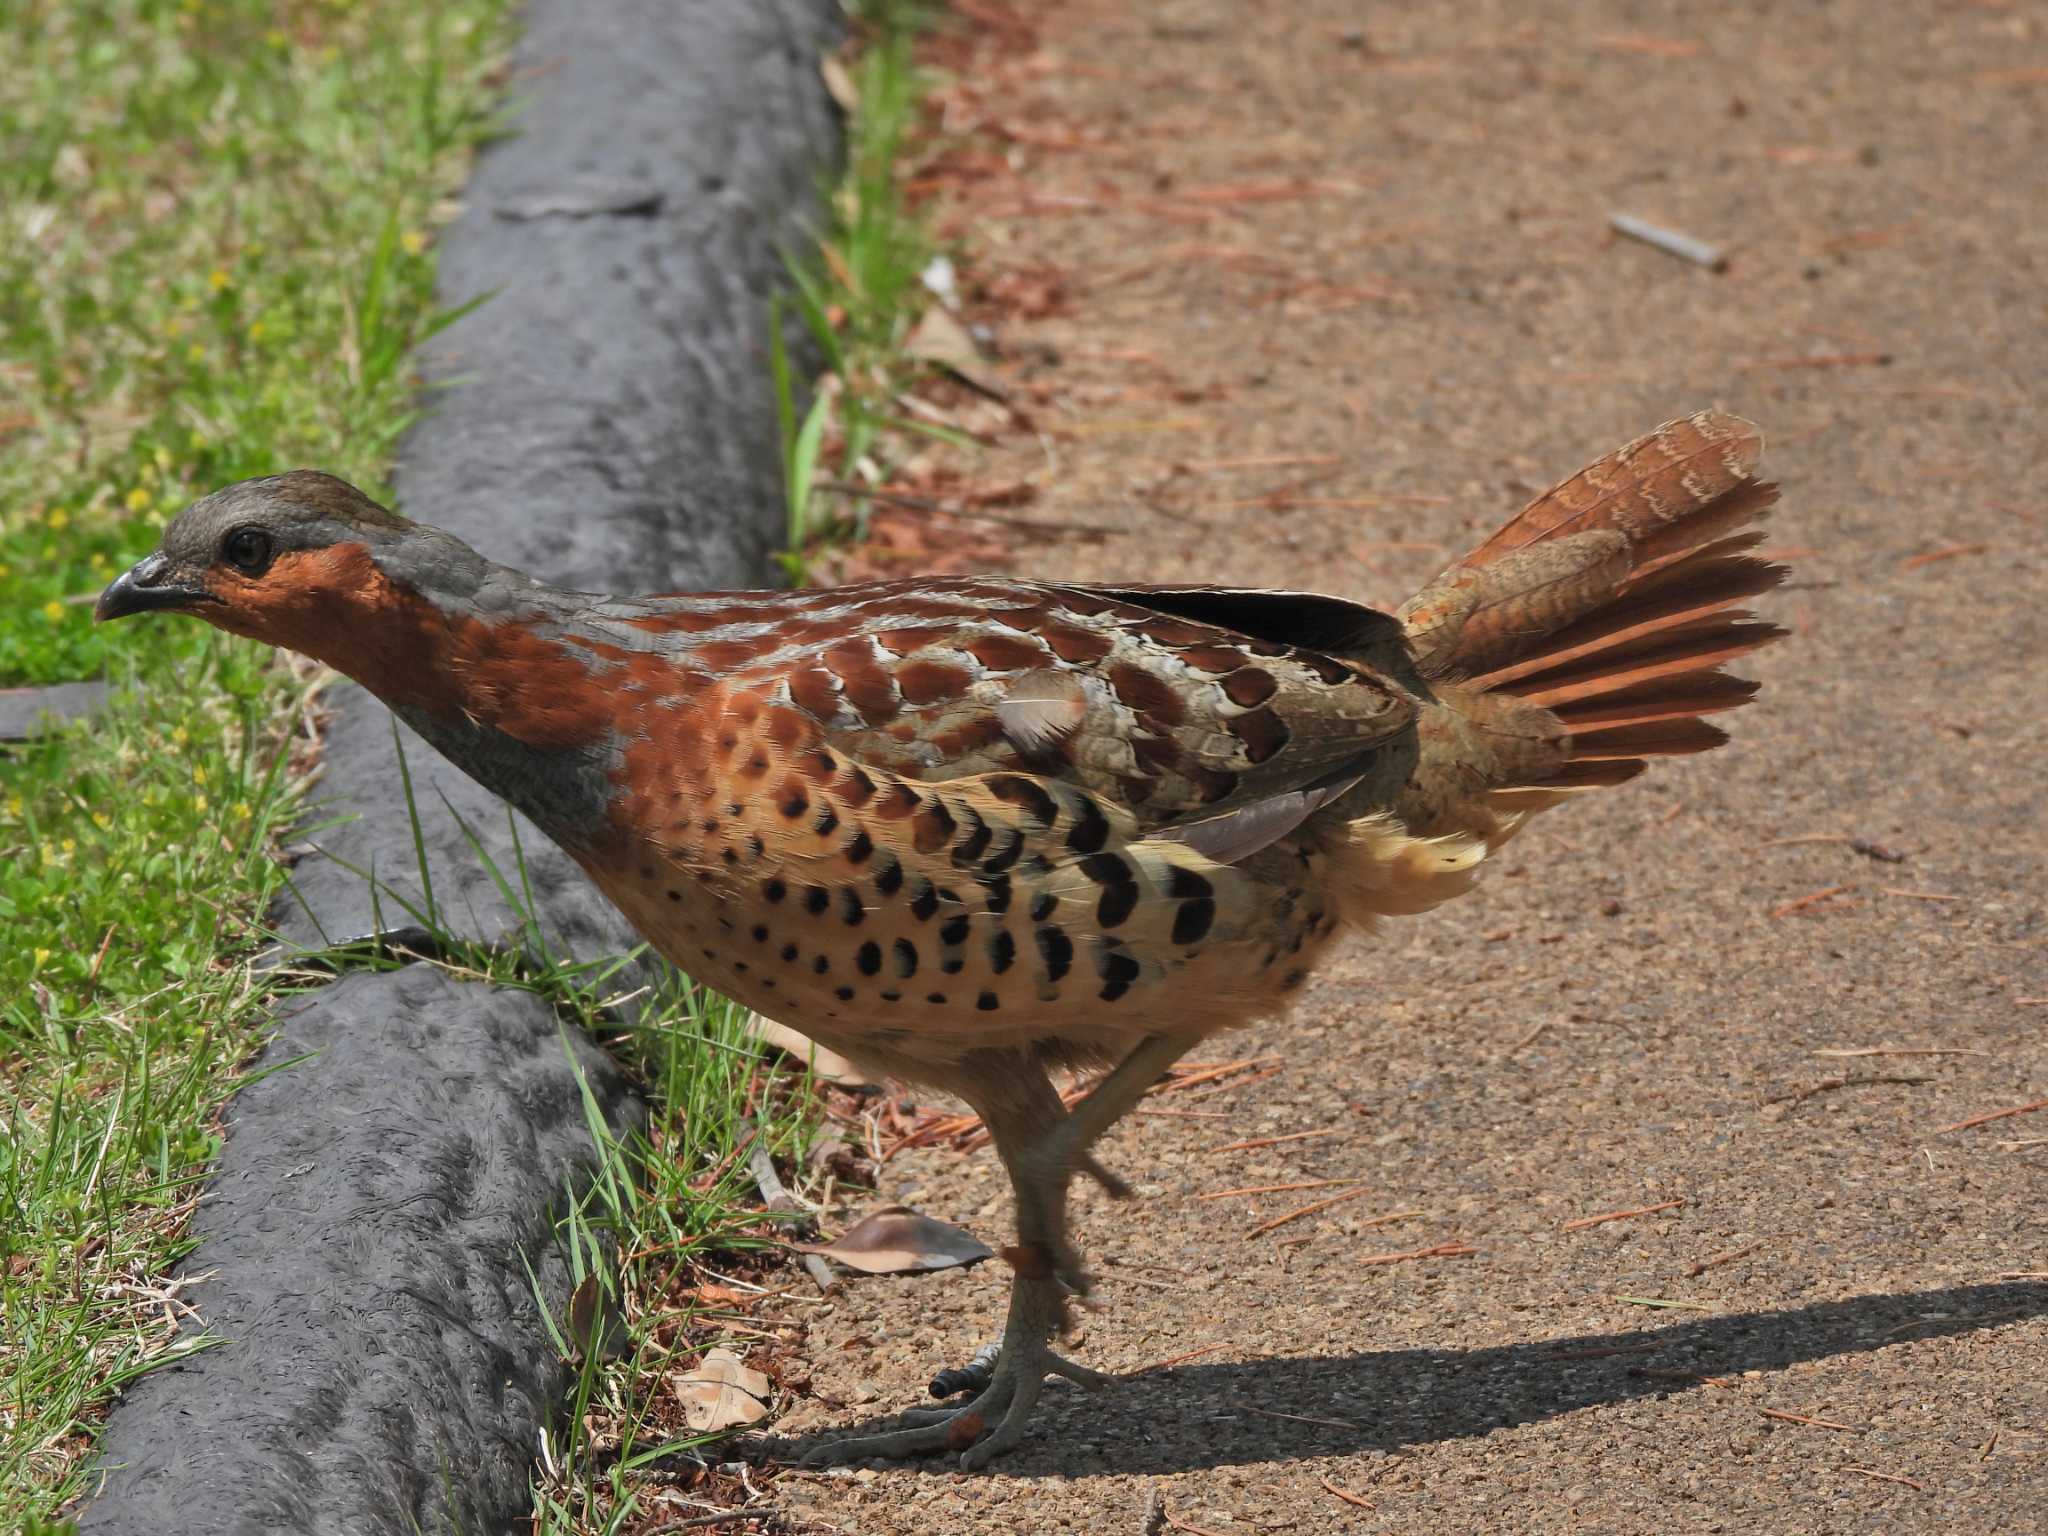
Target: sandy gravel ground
x=1372, y=240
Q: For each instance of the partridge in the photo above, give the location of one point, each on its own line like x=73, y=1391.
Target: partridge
x=967, y=831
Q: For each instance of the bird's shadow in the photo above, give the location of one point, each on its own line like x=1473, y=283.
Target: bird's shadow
x=1383, y=1400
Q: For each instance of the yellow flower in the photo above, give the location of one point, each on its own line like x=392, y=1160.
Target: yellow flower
x=198, y=773
x=69, y=845
x=179, y=736
x=196, y=440
x=139, y=499
x=195, y=353
x=413, y=241
x=276, y=38
x=255, y=330
x=218, y=279
x=42, y=957
x=163, y=460
x=49, y=854
x=242, y=811
x=54, y=611
x=98, y=561
x=14, y=806
x=199, y=803
x=59, y=518
x=102, y=820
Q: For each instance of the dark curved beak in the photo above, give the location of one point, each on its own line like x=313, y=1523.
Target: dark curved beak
x=146, y=586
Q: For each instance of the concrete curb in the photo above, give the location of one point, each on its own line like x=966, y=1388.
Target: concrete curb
x=605, y=420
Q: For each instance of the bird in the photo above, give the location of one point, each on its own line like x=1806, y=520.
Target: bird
x=973, y=831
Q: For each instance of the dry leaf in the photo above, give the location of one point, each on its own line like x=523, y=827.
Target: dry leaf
x=829, y=1065
x=721, y=1393
x=899, y=1241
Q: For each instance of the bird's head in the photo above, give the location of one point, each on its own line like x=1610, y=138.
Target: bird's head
x=302, y=560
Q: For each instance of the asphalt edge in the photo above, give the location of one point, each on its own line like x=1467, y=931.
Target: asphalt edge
x=379, y=1363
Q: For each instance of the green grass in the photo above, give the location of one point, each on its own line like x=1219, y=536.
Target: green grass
x=214, y=262
x=858, y=297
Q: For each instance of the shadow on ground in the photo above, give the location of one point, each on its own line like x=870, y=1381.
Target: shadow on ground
x=1390, y=1399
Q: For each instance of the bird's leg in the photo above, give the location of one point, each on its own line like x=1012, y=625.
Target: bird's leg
x=1042, y=1149
x=1021, y=1111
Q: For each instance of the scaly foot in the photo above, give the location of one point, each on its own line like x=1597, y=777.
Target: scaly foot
x=995, y=1421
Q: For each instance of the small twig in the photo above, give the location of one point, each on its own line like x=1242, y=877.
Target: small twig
x=1893, y=890
x=1182, y=1359
x=1717, y=1260
x=1602, y=1353
x=1669, y=241
x=1274, y=1189
x=1806, y=1418
x=1322, y=1205
x=1346, y=1494
x=1996, y=1114
x=1888, y=1477
x=1948, y=552
x=1822, y=360
x=761, y=1163
x=1800, y=903
x=1829, y=1085
x=1451, y=1250
x=1594, y=1221
x=1274, y=1141
x=718, y=1517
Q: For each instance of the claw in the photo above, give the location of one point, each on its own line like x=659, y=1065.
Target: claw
x=1005, y=1401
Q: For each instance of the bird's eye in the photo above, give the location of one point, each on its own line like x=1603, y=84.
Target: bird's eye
x=248, y=550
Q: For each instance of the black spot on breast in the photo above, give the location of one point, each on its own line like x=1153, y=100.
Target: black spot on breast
x=1056, y=950
x=1292, y=980
x=1044, y=906
x=955, y=931
x=860, y=848
x=935, y=998
x=821, y=965
x=793, y=804
x=1008, y=851
x=755, y=846
x=889, y=876
x=905, y=954
x=852, y=910
x=868, y=959
x=971, y=847
x=844, y=994
x=1118, y=972
x=892, y=996
x=827, y=822
x=995, y=891
x=1090, y=830
x=1118, y=903
x=925, y=902
x=1192, y=921
x=816, y=900
x=728, y=856
x=1106, y=869
x=789, y=952
x=1186, y=885
x=988, y=1002
x=1014, y=789
x=773, y=891
x=1002, y=951
x=675, y=895
x=760, y=933
x=952, y=965
x=740, y=966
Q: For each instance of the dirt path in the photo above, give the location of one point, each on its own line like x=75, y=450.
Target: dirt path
x=1378, y=251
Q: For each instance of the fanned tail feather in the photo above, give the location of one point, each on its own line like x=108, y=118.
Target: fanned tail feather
x=1587, y=636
